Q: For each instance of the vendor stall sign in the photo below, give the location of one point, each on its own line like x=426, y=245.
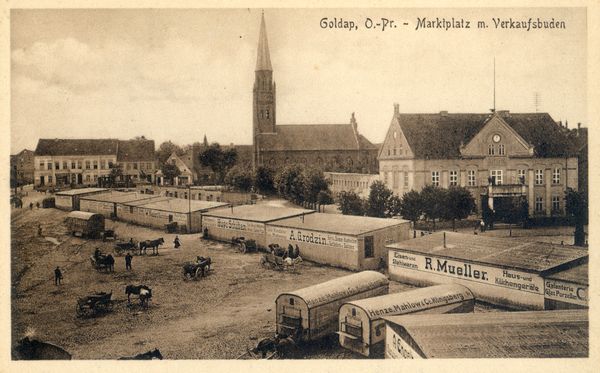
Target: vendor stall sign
x=233, y=224
x=496, y=276
x=566, y=292
x=317, y=238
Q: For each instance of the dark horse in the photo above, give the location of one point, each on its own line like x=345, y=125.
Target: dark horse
x=193, y=268
x=106, y=261
x=31, y=349
x=146, y=356
x=142, y=291
x=151, y=243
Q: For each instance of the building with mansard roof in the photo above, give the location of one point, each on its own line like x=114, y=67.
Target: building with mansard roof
x=332, y=147
x=496, y=156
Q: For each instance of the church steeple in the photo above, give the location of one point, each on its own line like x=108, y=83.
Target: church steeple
x=263, y=100
x=263, y=60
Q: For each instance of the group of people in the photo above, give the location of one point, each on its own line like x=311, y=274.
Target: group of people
x=58, y=273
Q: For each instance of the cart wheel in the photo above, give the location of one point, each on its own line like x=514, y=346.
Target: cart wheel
x=198, y=272
x=263, y=262
x=78, y=311
x=242, y=248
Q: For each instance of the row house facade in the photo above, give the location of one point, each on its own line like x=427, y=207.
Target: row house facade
x=22, y=166
x=495, y=156
x=84, y=162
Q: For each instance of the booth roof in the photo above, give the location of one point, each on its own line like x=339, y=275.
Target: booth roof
x=259, y=213
x=578, y=274
x=532, y=256
x=118, y=197
x=493, y=335
x=84, y=215
x=181, y=205
x=342, y=224
x=73, y=192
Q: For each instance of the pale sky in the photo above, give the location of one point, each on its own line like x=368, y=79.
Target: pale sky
x=181, y=74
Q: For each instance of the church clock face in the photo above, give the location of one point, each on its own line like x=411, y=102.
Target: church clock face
x=496, y=138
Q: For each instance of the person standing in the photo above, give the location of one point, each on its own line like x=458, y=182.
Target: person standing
x=482, y=224
x=176, y=242
x=128, y=258
x=39, y=230
x=57, y=276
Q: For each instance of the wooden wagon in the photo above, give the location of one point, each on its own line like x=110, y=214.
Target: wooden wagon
x=94, y=304
x=121, y=247
x=87, y=224
x=244, y=245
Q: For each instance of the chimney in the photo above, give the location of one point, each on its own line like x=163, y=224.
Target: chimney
x=396, y=109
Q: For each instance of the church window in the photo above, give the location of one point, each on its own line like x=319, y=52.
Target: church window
x=319, y=162
x=491, y=150
x=501, y=149
x=400, y=149
x=394, y=150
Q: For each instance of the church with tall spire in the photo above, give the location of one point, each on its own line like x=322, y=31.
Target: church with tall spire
x=331, y=147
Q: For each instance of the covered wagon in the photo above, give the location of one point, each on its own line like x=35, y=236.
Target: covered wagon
x=87, y=224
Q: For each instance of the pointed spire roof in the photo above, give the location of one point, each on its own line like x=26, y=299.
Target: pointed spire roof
x=263, y=61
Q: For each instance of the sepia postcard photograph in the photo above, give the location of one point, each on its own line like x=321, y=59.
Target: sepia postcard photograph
x=262, y=186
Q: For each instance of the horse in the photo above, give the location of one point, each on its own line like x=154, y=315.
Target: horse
x=192, y=268
x=31, y=349
x=151, y=243
x=145, y=356
x=104, y=260
x=142, y=291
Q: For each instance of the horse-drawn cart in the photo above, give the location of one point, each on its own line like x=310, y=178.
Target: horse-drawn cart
x=122, y=247
x=92, y=305
x=109, y=234
x=196, y=268
x=272, y=261
x=244, y=245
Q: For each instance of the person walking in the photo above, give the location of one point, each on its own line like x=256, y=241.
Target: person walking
x=128, y=258
x=176, y=242
x=39, y=230
x=57, y=276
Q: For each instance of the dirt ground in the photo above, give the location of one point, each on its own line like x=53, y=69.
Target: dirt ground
x=216, y=317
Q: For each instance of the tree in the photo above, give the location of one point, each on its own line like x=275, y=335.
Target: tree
x=116, y=172
x=351, y=204
x=314, y=182
x=377, y=203
x=165, y=150
x=241, y=178
x=324, y=198
x=288, y=183
x=411, y=206
x=576, y=207
x=219, y=160
x=170, y=171
x=433, y=200
x=264, y=179
x=459, y=204
x=393, y=205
